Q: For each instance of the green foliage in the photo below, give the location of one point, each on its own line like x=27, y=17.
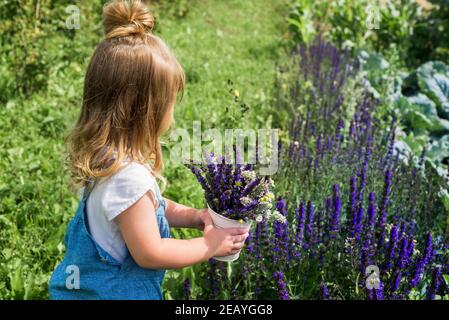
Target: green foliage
x=172, y=8
x=433, y=80
x=419, y=99
x=302, y=20
x=382, y=26
x=34, y=39
x=430, y=39
x=424, y=102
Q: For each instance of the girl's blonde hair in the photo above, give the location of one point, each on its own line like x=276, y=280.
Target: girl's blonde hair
x=130, y=90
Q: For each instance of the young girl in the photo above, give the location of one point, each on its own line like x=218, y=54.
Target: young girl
x=118, y=244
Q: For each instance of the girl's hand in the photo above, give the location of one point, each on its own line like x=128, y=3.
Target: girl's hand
x=223, y=242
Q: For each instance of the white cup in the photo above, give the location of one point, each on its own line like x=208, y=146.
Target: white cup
x=223, y=222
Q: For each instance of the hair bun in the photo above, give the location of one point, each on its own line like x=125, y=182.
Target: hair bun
x=123, y=18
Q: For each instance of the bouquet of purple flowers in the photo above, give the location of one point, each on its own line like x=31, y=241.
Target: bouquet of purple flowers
x=235, y=191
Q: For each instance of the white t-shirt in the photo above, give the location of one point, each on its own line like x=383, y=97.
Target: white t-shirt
x=113, y=195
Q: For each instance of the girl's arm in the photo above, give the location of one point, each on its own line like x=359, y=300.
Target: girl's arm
x=181, y=216
x=140, y=231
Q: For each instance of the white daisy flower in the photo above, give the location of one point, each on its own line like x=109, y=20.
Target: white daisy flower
x=245, y=200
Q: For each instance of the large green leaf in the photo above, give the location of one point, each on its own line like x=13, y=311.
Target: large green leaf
x=415, y=142
x=433, y=80
x=439, y=149
x=375, y=68
x=421, y=113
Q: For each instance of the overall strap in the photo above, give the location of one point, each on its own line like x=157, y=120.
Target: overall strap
x=87, y=190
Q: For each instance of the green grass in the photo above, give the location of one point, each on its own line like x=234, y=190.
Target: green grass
x=216, y=41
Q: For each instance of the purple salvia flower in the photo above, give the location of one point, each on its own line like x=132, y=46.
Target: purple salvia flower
x=396, y=283
x=319, y=145
x=283, y=228
x=382, y=219
x=335, y=218
x=255, y=237
x=391, y=140
x=386, y=198
x=300, y=218
x=402, y=230
x=186, y=288
x=212, y=280
x=351, y=129
x=249, y=243
x=324, y=291
x=364, y=171
x=358, y=226
x=421, y=263
x=257, y=292
x=281, y=286
x=309, y=226
x=218, y=183
x=328, y=214
x=278, y=232
x=379, y=293
x=352, y=203
x=340, y=126
x=429, y=250
x=265, y=233
x=435, y=284
x=290, y=149
x=371, y=211
x=417, y=272
x=250, y=187
x=391, y=248
x=318, y=238
x=410, y=249
x=313, y=130
x=365, y=255
x=369, y=294
x=328, y=143
x=403, y=254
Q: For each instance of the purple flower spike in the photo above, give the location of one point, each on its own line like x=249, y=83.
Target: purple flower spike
x=352, y=203
x=379, y=293
x=435, y=285
x=403, y=254
x=309, y=227
x=282, y=288
x=300, y=218
x=385, y=199
x=186, y=288
x=371, y=215
x=396, y=283
x=421, y=263
x=391, y=248
x=359, y=219
x=335, y=218
x=324, y=291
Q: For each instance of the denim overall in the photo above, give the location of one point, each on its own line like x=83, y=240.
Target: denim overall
x=100, y=275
